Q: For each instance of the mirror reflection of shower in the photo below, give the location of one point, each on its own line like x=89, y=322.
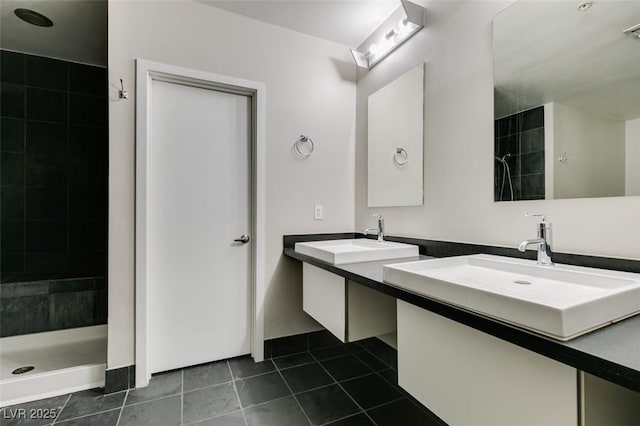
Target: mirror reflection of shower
x=506, y=176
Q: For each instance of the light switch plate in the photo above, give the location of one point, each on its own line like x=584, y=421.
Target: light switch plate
x=317, y=212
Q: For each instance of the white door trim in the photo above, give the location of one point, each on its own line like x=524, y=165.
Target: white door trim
x=146, y=72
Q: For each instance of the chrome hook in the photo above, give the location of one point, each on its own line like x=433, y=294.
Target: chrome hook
x=122, y=94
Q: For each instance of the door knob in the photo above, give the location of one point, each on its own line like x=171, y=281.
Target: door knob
x=244, y=239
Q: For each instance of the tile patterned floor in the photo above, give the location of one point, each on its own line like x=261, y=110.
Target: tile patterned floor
x=339, y=385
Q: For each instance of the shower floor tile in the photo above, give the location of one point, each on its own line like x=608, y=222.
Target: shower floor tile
x=321, y=387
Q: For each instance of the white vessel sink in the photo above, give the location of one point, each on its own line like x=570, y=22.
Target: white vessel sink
x=338, y=252
x=560, y=301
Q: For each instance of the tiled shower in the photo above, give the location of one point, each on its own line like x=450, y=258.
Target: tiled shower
x=53, y=194
x=519, y=140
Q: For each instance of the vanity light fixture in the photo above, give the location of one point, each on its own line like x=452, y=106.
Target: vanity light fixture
x=633, y=31
x=395, y=30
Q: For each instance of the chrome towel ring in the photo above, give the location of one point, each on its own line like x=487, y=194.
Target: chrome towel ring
x=303, y=147
x=400, y=157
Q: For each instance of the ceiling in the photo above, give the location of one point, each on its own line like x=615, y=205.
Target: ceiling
x=551, y=52
x=348, y=22
x=79, y=31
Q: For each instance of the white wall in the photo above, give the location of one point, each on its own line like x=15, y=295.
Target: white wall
x=310, y=85
x=632, y=156
x=456, y=48
x=595, y=148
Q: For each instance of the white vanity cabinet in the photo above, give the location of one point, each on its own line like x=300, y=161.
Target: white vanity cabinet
x=467, y=377
x=349, y=310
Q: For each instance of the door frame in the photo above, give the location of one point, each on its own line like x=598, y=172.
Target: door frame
x=146, y=72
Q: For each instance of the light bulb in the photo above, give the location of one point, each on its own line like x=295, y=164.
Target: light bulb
x=385, y=45
x=406, y=26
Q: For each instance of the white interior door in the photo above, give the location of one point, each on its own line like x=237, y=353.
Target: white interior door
x=198, y=203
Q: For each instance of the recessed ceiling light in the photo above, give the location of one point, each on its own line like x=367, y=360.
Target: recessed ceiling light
x=33, y=17
x=582, y=7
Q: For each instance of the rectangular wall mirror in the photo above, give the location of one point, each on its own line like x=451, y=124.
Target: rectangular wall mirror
x=395, y=139
x=567, y=100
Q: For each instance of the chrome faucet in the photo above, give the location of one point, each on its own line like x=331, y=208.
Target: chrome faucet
x=543, y=241
x=379, y=230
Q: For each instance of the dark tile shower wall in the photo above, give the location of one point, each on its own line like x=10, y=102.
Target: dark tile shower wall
x=32, y=307
x=522, y=136
x=53, y=192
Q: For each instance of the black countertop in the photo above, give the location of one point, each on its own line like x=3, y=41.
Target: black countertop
x=612, y=352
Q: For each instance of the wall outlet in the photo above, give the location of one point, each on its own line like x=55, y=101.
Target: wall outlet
x=317, y=212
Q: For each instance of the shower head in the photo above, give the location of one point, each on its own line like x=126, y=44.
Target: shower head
x=504, y=157
x=506, y=174
x=507, y=155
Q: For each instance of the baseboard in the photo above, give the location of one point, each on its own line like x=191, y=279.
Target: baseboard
x=119, y=379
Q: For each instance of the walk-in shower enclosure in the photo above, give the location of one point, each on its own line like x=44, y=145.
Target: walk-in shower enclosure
x=53, y=204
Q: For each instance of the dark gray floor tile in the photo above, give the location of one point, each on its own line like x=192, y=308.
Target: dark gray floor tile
x=159, y=412
x=391, y=376
x=373, y=362
x=382, y=351
x=160, y=385
x=289, y=345
x=326, y=404
x=293, y=360
x=90, y=402
x=281, y=412
x=231, y=419
x=357, y=420
x=306, y=377
x=322, y=339
x=345, y=367
x=34, y=413
x=425, y=409
x=205, y=375
x=371, y=391
x=107, y=418
x=330, y=352
x=246, y=367
x=401, y=413
x=354, y=347
x=209, y=402
x=259, y=389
